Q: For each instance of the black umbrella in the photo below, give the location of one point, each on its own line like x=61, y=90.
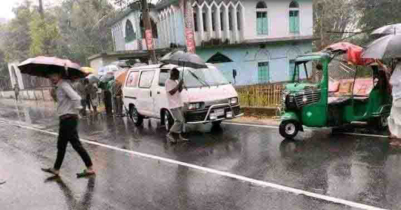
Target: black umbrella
x=184, y=59
x=43, y=66
x=92, y=79
x=105, y=79
x=388, y=29
x=386, y=47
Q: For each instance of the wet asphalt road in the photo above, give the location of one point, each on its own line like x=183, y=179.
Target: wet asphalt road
x=360, y=169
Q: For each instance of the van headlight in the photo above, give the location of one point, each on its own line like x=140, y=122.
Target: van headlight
x=194, y=106
x=234, y=101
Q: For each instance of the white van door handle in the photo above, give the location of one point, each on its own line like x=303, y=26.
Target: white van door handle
x=158, y=92
x=150, y=93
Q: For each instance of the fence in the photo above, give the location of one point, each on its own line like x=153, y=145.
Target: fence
x=38, y=94
x=261, y=96
x=253, y=96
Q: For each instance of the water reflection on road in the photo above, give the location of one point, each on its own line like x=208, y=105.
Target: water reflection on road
x=361, y=169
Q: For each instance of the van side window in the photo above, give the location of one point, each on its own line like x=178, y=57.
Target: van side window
x=132, y=80
x=164, y=75
x=146, y=79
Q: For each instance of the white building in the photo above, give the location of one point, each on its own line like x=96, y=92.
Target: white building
x=259, y=39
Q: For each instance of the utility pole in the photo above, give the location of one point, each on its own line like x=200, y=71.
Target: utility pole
x=322, y=18
x=41, y=12
x=148, y=31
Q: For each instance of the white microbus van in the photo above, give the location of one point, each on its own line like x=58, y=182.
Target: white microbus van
x=207, y=95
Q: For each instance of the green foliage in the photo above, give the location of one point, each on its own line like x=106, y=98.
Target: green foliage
x=83, y=29
x=351, y=16
x=375, y=14
x=44, y=34
x=17, y=35
x=76, y=29
x=331, y=16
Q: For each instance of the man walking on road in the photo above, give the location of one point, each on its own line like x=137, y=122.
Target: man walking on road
x=174, y=90
x=69, y=104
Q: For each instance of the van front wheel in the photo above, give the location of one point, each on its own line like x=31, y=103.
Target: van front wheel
x=289, y=129
x=168, y=120
x=135, y=116
x=217, y=124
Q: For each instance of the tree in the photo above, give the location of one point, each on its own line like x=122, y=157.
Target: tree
x=375, y=14
x=120, y=3
x=18, y=33
x=330, y=19
x=44, y=34
x=83, y=28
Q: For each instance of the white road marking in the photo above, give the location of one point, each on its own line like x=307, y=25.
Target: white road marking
x=221, y=173
x=276, y=127
x=367, y=135
x=251, y=125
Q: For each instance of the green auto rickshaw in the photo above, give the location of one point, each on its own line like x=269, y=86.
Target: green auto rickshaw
x=363, y=98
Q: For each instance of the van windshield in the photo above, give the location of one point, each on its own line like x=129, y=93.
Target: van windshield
x=203, y=77
x=194, y=78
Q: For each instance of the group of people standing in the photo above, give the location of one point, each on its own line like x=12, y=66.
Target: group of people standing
x=89, y=96
x=112, y=98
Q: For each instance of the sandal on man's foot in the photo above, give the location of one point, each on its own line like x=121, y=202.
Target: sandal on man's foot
x=50, y=170
x=85, y=173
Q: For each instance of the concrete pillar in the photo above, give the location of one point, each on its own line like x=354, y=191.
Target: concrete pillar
x=165, y=31
x=242, y=19
x=175, y=26
x=170, y=33
x=227, y=34
x=235, y=24
x=200, y=24
x=209, y=22
x=218, y=23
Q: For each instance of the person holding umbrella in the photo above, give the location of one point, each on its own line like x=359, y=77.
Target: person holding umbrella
x=394, y=120
x=389, y=47
x=60, y=72
x=69, y=104
x=175, y=103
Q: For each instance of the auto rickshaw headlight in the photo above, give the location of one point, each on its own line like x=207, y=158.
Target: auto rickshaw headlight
x=304, y=99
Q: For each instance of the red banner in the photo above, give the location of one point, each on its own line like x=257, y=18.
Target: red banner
x=191, y=45
x=187, y=10
x=149, y=39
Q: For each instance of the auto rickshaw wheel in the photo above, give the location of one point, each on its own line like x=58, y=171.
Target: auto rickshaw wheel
x=379, y=123
x=289, y=129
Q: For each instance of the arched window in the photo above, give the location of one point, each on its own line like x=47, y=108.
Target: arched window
x=129, y=32
x=294, y=17
x=262, y=23
x=261, y=5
